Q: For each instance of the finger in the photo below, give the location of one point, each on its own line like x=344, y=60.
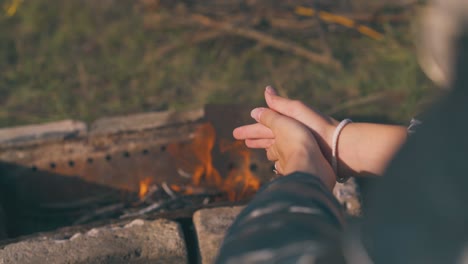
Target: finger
x=259, y=143
x=284, y=106
x=294, y=108
x=267, y=117
x=253, y=131
x=271, y=90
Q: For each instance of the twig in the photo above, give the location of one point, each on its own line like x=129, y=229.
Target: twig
x=148, y=209
x=267, y=40
x=151, y=190
x=193, y=38
x=100, y=212
x=291, y=23
x=168, y=190
x=358, y=102
x=184, y=174
x=194, y=191
x=157, y=206
x=341, y=20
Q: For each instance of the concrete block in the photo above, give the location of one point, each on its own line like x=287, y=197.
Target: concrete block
x=211, y=226
x=140, y=241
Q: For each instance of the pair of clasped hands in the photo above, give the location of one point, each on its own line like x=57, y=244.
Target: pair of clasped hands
x=299, y=138
x=293, y=136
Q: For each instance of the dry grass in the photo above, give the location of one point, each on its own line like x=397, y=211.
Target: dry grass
x=87, y=59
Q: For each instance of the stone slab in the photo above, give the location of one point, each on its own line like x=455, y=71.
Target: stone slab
x=47, y=131
x=143, y=121
x=211, y=226
x=159, y=241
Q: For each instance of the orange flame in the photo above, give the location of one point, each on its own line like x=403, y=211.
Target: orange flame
x=240, y=182
x=197, y=158
x=144, y=187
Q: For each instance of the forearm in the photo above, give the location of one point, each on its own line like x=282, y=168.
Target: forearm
x=366, y=149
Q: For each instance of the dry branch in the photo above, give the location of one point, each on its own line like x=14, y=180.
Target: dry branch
x=267, y=40
x=191, y=39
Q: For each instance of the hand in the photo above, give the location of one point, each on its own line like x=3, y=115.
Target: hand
x=293, y=147
x=364, y=149
x=322, y=126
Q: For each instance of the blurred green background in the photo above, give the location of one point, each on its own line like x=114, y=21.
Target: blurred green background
x=85, y=59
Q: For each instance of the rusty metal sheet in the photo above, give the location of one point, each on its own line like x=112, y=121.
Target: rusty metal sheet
x=121, y=161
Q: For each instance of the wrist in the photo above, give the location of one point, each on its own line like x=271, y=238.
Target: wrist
x=345, y=150
x=336, y=136
x=306, y=161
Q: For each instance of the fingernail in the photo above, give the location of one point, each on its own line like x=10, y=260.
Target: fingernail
x=270, y=90
x=255, y=114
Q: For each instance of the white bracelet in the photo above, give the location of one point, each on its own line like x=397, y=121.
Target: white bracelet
x=336, y=135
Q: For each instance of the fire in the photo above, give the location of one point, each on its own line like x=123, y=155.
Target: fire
x=144, y=187
x=197, y=158
x=240, y=181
